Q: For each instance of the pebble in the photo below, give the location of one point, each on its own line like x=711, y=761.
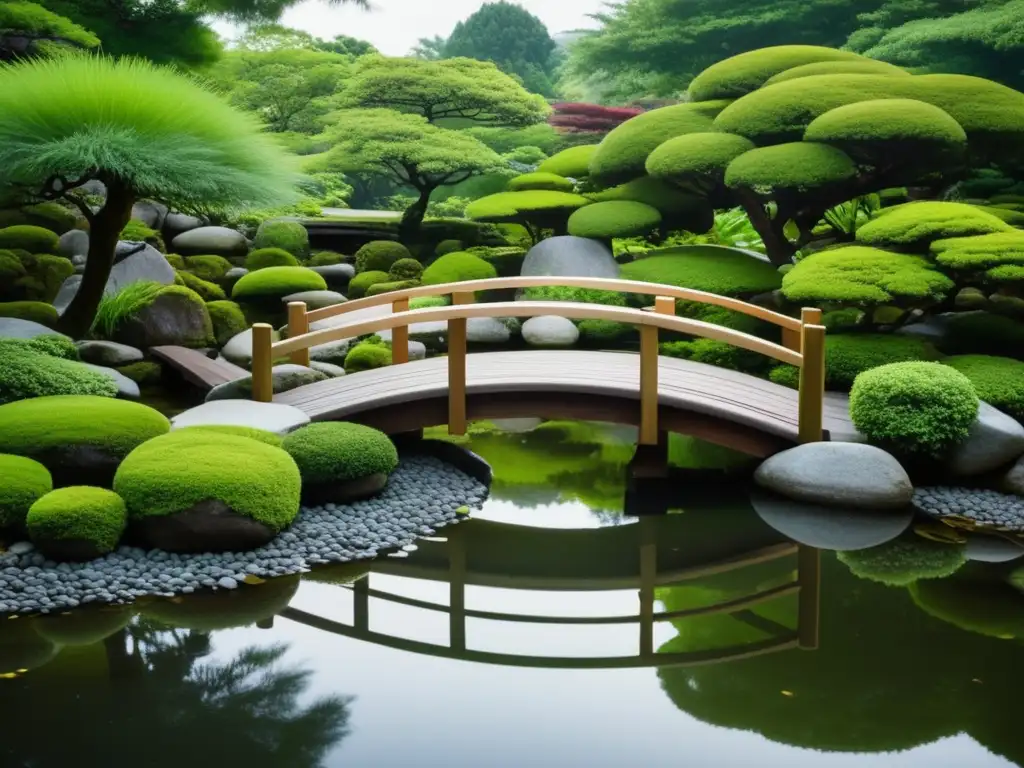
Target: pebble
x=330, y=533
x=987, y=507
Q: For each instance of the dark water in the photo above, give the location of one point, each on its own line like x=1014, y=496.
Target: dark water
x=410, y=665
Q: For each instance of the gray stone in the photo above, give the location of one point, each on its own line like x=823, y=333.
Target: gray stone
x=284, y=377
x=273, y=417
x=316, y=299
x=337, y=276
x=94, y=187
x=227, y=582
x=108, y=353
x=347, y=318
x=329, y=369
x=333, y=352
x=838, y=474
x=214, y=241
x=417, y=351
x=550, y=331
x=173, y=319
x=1014, y=480
x=568, y=256
x=207, y=526
x=150, y=213
x=486, y=330
x=21, y=548
x=126, y=388
x=995, y=440
x=837, y=528
x=73, y=243
x=176, y=223
x=146, y=263
x=992, y=549
x=15, y=328
x=236, y=273
x=238, y=350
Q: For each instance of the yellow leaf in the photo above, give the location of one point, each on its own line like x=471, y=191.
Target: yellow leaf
x=250, y=579
x=940, y=533
x=787, y=693
x=9, y=675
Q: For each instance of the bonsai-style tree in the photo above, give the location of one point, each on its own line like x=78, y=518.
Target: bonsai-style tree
x=145, y=132
x=534, y=209
x=408, y=150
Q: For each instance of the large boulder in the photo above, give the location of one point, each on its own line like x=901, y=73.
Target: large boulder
x=838, y=475
x=284, y=378
x=341, y=462
x=108, y=353
x=569, y=256
x=238, y=350
x=994, y=441
x=337, y=276
x=150, y=213
x=176, y=223
x=142, y=263
x=15, y=328
x=316, y=299
x=176, y=317
x=1014, y=480
x=126, y=388
x=550, y=331
x=331, y=353
x=486, y=330
x=270, y=417
x=79, y=523
x=73, y=243
x=216, y=241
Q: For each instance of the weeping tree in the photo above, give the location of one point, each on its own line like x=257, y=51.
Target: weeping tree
x=141, y=130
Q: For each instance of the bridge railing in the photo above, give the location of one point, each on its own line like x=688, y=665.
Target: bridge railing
x=803, y=338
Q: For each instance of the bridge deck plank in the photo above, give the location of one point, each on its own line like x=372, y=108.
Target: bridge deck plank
x=197, y=368
x=682, y=384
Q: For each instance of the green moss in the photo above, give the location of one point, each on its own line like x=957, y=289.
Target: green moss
x=406, y=269
x=36, y=311
x=52, y=216
x=679, y=209
x=606, y=332
x=137, y=232
x=983, y=333
x=916, y=225
x=339, y=452
x=538, y=205
x=723, y=271
x=269, y=257
x=228, y=320
x=622, y=154
x=508, y=261
x=845, y=67
x=11, y=269
x=696, y=156
x=175, y=471
x=578, y=295
x=393, y=285
x=53, y=345
x=79, y=513
x=379, y=255
x=326, y=259
x=41, y=424
x=361, y=283
x=999, y=381
x=708, y=313
x=29, y=373
x=211, y=268
x=252, y=433
x=540, y=180
x=864, y=276
x=44, y=275
x=448, y=246
x=1012, y=216
x=423, y=302
x=914, y=408
x=571, y=163
x=28, y=238
x=176, y=261
x=993, y=256
x=797, y=166
x=143, y=373
x=224, y=609
x=290, y=236
x=616, y=218
x=277, y=282
x=717, y=353
x=746, y=72
x=366, y=356
x=849, y=355
x=207, y=291
x=905, y=560
x=458, y=267
x=22, y=482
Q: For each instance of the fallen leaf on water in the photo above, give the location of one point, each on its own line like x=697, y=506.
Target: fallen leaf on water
x=177, y=600
x=9, y=675
x=787, y=693
x=462, y=511
x=250, y=579
x=975, y=680
x=943, y=534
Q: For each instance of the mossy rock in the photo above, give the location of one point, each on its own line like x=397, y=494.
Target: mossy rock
x=341, y=462
x=35, y=311
x=77, y=523
x=366, y=356
x=540, y=180
x=44, y=276
x=914, y=226
x=269, y=257
x=173, y=315
x=210, y=268
x=52, y=344
x=290, y=236
x=273, y=283
x=999, y=381
x=84, y=626
x=379, y=255
x=359, y=286
x=225, y=609
x=48, y=215
x=207, y=291
x=136, y=231
x=724, y=271
x=905, y=560
x=22, y=483
x=145, y=373
x=28, y=238
x=260, y=435
x=571, y=163
x=227, y=320
x=615, y=218
x=202, y=491
x=29, y=371
x=326, y=259
x=458, y=267
x=406, y=269
x=395, y=285
x=80, y=439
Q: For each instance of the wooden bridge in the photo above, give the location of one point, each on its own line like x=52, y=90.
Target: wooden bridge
x=725, y=406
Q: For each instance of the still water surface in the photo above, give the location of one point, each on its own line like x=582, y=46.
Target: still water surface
x=356, y=670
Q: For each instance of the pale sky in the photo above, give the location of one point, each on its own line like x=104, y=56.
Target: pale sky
x=394, y=26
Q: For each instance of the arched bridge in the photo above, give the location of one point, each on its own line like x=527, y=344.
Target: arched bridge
x=720, y=405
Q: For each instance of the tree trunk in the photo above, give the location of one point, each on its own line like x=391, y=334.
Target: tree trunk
x=414, y=215
x=780, y=251
x=104, y=232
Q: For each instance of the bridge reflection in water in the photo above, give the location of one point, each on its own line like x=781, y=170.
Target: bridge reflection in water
x=655, y=555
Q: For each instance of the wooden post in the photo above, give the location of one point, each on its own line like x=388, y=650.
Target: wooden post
x=262, y=363
x=400, y=335
x=361, y=604
x=298, y=324
x=457, y=368
x=648, y=580
x=809, y=577
x=663, y=305
x=812, y=376
x=457, y=592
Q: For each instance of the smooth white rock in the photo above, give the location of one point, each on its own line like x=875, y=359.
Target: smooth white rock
x=273, y=417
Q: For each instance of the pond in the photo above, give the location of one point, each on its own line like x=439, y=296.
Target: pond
x=554, y=628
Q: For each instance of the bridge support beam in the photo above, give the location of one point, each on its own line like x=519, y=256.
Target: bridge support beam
x=457, y=343
x=812, y=376
x=298, y=324
x=400, y=335
x=262, y=363
x=663, y=305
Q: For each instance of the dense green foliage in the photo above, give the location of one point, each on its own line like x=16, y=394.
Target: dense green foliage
x=379, y=255
x=252, y=433
x=25, y=19
x=795, y=166
x=28, y=238
x=261, y=258
x=914, y=408
x=22, y=482
x=992, y=258
x=406, y=269
x=173, y=472
x=361, y=283
x=905, y=560
x=115, y=308
x=227, y=319
x=615, y=218
x=79, y=513
x=999, y=381
x=210, y=268
x=722, y=271
x=540, y=180
x=289, y=236
x=693, y=157
x=35, y=311
x=572, y=163
x=206, y=290
x=137, y=231
x=717, y=353
x=29, y=373
x=982, y=333
x=276, y=282
x=339, y=452
x=457, y=267
x=915, y=225
x=366, y=356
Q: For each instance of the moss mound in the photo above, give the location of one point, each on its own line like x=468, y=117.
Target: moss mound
x=290, y=236
x=54, y=345
x=210, y=268
x=276, y=282
x=679, y=209
x=723, y=271
x=983, y=333
x=227, y=319
x=137, y=232
x=529, y=205
x=571, y=163
x=981, y=255
x=696, y=155
x=392, y=285
x=916, y=225
x=448, y=246
x=540, y=180
x=42, y=424
x=35, y=311
x=717, y=353
x=212, y=611
x=143, y=373
x=423, y=302
x=269, y=257
x=379, y=255
x=616, y=218
x=406, y=269
x=22, y=482
x=606, y=332
x=999, y=381
x=206, y=290
x=77, y=514
x=27, y=372
x=914, y=408
x=83, y=627
x=458, y=267
x=798, y=166
x=52, y=216
x=44, y=275
x=864, y=276
x=28, y=238
x=175, y=471
x=326, y=259
x=508, y=260
x=845, y=67
x=905, y=560
x=338, y=452
x=260, y=435
x=361, y=283
x=894, y=121
x=366, y=356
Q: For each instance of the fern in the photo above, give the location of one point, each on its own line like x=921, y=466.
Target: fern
x=116, y=308
x=848, y=217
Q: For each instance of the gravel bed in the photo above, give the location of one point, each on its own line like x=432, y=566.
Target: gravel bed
x=988, y=509
x=423, y=494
